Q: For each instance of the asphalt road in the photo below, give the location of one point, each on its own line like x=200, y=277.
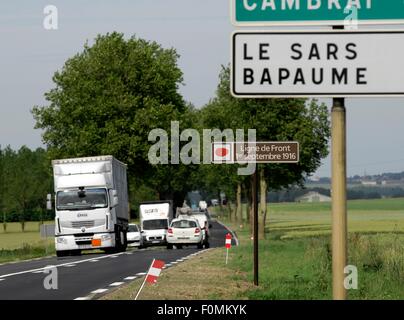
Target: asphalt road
x=90, y=275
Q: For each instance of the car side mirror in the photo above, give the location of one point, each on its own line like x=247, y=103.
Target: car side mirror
x=49, y=202
x=114, y=198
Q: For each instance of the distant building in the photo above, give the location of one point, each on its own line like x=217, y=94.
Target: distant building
x=369, y=183
x=313, y=196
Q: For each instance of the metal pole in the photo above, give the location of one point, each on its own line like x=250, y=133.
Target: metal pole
x=255, y=221
x=339, y=207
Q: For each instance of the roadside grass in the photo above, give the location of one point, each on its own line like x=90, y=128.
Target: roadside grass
x=28, y=251
x=209, y=279
x=16, y=245
x=300, y=268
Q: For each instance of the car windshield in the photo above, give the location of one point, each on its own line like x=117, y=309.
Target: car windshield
x=133, y=228
x=82, y=199
x=184, y=224
x=155, y=224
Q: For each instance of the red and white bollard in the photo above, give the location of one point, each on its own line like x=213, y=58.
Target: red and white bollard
x=228, y=245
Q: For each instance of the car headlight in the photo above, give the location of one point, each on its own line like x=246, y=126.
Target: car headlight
x=61, y=240
x=106, y=237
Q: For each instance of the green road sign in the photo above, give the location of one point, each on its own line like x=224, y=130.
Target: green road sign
x=316, y=12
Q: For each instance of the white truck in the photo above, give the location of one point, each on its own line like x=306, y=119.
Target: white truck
x=155, y=218
x=91, y=205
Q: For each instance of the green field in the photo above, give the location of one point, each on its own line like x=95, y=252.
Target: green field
x=293, y=220
x=14, y=238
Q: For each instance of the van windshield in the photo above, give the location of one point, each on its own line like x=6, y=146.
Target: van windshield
x=155, y=224
x=82, y=199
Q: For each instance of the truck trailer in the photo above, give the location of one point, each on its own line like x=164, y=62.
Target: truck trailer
x=91, y=204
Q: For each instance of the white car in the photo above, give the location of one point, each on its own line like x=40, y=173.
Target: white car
x=203, y=223
x=184, y=231
x=134, y=237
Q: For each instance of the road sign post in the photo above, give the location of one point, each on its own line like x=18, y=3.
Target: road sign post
x=255, y=223
x=338, y=196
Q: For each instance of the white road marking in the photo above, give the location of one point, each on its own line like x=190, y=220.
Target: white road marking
x=130, y=278
x=2, y=279
x=141, y=274
x=83, y=298
x=38, y=271
x=57, y=265
x=113, y=256
x=70, y=265
x=168, y=265
x=116, y=284
x=95, y=260
x=180, y=260
x=99, y=291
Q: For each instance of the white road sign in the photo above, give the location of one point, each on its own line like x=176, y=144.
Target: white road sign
x=322, y=64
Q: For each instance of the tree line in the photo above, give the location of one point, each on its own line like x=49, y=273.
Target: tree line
x=25, y=179
x=107, y=99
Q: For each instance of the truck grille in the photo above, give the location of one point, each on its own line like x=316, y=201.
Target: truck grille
x=80, y=224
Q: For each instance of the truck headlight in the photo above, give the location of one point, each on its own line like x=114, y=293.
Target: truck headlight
x=61, y=240
x=106, y=237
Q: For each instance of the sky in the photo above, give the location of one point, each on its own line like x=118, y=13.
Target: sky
x=200, y=32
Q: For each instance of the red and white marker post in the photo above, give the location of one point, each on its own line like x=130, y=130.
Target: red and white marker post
x=228, y=245
x=152, y=275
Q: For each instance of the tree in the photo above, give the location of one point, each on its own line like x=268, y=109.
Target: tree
x=108, y=98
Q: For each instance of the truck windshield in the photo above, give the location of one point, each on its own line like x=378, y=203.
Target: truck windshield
x=155, y=224
x=79, y=200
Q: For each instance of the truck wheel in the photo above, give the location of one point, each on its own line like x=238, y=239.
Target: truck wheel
x=169, y=246
x=60, y=254
x=124, y=242
x=75, y=252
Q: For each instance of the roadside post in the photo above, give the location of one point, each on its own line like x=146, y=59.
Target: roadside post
x=152, y=274
x=255, y=152
x=255, y=224
x=228, y=246
x=351, y=66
